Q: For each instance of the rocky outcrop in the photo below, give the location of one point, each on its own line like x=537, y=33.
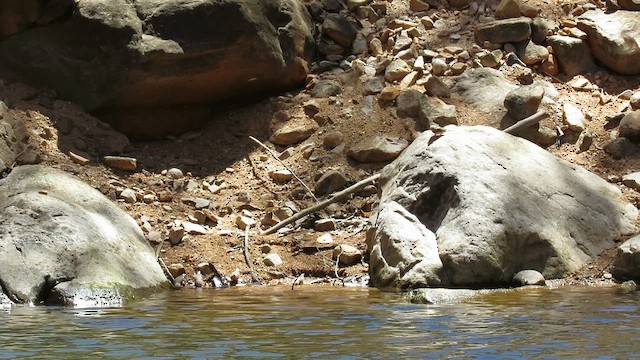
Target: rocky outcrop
x=13, y=137
x=474, y=206
x=148, y=62
x=613, y=39
x=63, y=242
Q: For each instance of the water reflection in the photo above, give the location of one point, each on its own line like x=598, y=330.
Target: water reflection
x=332, y=323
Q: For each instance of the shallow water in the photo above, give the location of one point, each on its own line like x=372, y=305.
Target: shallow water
x=332, y=323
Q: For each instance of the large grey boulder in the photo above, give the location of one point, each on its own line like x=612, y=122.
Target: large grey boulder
x=63, y=242
x=497, y=205
x=144, y=64
x=613, y=38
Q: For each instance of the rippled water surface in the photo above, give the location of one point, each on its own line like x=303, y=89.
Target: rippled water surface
x=332, y=323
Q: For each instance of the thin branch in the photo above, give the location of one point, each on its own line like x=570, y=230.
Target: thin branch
x=285, y=166
x=247, y=257
x=339, y=195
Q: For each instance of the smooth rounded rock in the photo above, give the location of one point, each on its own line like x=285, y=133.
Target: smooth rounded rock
x=528, y=277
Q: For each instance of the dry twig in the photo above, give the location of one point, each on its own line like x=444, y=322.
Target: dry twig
x=339, y=195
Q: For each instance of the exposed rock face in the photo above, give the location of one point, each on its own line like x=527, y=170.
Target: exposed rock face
x=496, y=204
x=613, y=39
x=13, y=136
x=63, y=242
x=153, y=55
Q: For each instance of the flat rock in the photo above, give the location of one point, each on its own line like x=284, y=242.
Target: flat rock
x=63, y=242
x=573, y=55
x=325, y=225
x=504, y=31
x=292, y=134
x=281, y=176
x=377, y=149
x=630, y=126
x=573, y=117
x=485, y=214
x=273, y=259
x=331, y=181
x=613, y=39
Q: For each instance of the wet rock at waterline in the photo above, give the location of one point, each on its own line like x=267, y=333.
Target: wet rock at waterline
x=495, y=204
x=528, y=277
x=627, y=262
x=63, y=242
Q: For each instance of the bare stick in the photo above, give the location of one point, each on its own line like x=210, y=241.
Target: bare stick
x=285, y=166
x=353, y=188
x=533, y=119
x=247, y=257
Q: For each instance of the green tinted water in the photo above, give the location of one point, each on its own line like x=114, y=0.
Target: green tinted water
x=331, y=323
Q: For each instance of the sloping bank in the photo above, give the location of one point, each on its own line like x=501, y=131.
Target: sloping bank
x=474, y=206
x=63, y=242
